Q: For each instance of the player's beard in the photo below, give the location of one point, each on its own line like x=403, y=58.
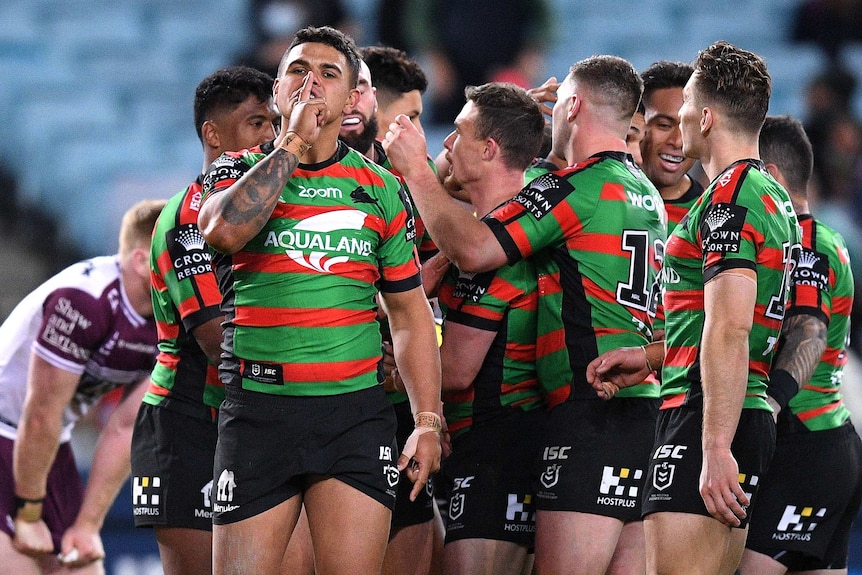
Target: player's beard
x=361, y=141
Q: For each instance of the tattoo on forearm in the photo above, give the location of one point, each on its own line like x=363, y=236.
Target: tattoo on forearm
x=804, y=343
x=261, y=187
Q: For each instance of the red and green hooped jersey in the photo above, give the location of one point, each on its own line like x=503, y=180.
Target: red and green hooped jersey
x=823, y=286
x=678, y=208
x=743, y=220
x=675, y=211
x=595, y=229
x=185, y=295
x=300, y=298
x=424, y=243
x=502, y=301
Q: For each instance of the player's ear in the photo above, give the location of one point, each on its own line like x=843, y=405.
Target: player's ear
x=209, y=134
x=707, y=119
x=573, y=108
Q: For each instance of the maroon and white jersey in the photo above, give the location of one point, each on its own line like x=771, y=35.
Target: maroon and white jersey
x=80, y=321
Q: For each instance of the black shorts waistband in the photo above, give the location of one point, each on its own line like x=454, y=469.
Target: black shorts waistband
x=258, y=399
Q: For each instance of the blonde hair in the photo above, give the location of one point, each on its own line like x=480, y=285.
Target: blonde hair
x=138, y=223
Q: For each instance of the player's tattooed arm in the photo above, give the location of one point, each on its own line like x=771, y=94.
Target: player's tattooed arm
x=228, y=220
x=253, y=201
x=804, y=342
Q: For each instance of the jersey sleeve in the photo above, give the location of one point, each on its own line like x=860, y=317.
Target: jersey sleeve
x=398, y=257
x=74, y=323
x=543, y=214
x=227, y=169
x=731, y=228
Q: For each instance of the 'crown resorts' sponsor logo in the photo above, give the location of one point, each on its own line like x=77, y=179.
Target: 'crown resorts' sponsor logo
x=812, y=270
x=721, y=230
x=314, y=236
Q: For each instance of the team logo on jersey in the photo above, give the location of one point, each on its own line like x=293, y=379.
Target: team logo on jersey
x=812, y=270
x=721, y=229
x=796, y=523
x=551, y=475
x=543, y=193
x=310, y=241
x=360, y=196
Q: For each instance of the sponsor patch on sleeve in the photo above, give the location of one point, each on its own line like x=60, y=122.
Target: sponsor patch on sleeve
x=188, y=251
x=721, y=228
x=543, y=193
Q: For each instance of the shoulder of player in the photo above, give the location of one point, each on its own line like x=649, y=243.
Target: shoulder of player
x=367, y=172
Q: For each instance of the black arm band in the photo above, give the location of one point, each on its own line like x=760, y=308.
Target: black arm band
x=782, y=387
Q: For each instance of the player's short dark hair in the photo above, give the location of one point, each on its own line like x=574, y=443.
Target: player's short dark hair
x=393, y=72
x=665, y=74
x=508, y=115
x=225, y=89
x=612, y=81
x=330, y=37
x=735, y=80
x=783, y=142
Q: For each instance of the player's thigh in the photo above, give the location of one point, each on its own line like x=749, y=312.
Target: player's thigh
x=630, y=554
x=691, y=544
x=13, y=561
x=185, y=551
x=566, y=538
x=256, y=544
x=483, y=557
x=299, y=556
x=410, y=549
x=349, y=528
x=754, y=563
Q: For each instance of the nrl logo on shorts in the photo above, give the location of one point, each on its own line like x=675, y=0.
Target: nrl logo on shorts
x=551, y=475
x=456, y=505
x=663, y=475
x=392, y=475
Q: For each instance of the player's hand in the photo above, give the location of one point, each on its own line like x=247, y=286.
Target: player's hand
x=545, y=94
x=445, y=439
x=433, y=271
x=307, y=111
x=776, y=409
x=420, y=458
x=392, y=379
x=405, y=146
x=81, y=545
x=32, y=538
x=616, y=369
x=719, y=487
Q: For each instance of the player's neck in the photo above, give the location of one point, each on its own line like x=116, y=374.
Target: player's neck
x=724, y=150
x=677, y=190
x=488, y=193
